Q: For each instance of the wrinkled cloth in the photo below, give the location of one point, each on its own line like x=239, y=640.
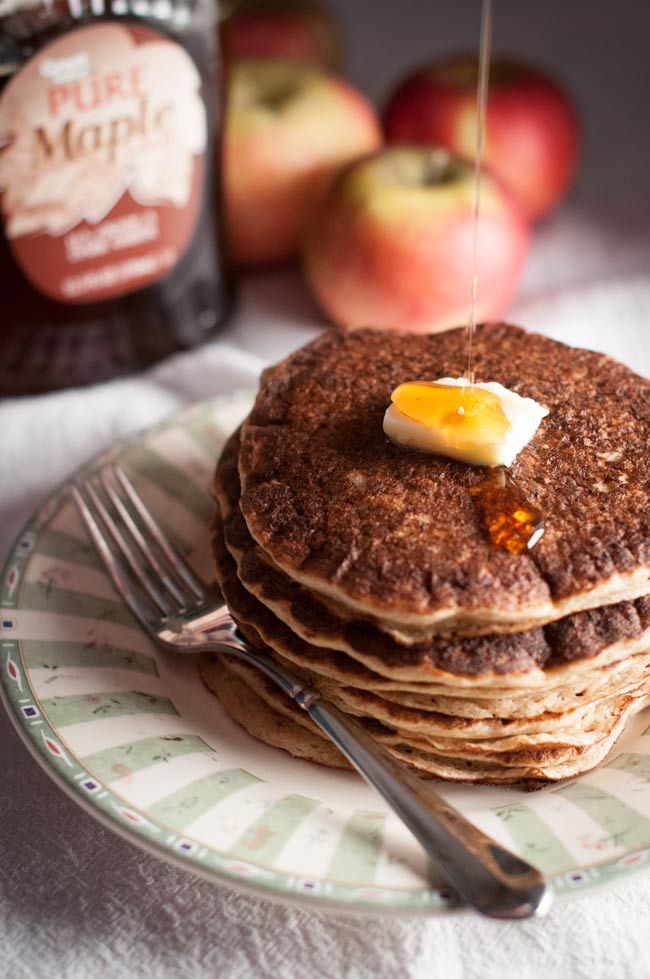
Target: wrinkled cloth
x=77, y=901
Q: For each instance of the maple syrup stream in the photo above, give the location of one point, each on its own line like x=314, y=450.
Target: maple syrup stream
x=512, y=523
x=481, y=102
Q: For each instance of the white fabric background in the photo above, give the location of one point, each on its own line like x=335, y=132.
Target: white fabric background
x=78, y=902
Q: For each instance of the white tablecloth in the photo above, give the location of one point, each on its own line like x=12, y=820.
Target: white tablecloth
x=77, y=901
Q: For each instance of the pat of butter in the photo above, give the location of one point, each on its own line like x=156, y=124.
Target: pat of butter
x=489, y=444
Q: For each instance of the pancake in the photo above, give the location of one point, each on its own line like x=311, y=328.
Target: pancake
x=267, y=714
x=364, y=568
x=544, y=657
x=580, y=716
x=394, y=534
x=540, y=657
x=583, y=725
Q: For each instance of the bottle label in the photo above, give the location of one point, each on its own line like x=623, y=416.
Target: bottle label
x=102, y=161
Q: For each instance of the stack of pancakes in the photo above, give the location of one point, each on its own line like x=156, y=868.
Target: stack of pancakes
x=366, y=567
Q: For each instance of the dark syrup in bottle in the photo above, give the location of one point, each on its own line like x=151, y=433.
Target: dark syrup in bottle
x=110, y=238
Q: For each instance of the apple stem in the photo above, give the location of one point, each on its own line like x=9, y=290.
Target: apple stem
x=276, y=100
x=439, y=168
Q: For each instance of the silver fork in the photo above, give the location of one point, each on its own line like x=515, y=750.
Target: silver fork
x=178, y=611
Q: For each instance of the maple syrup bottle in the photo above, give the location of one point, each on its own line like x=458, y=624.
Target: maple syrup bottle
x=110, y=247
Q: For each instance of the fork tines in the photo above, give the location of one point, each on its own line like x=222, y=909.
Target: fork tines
x=147, y=569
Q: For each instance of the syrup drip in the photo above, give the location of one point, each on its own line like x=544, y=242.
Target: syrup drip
x=481, y=102
x=511, y=521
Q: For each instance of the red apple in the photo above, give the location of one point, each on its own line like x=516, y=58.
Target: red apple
x=289, y=128
x=392, y=245
x=301, y=30
x=531, y=138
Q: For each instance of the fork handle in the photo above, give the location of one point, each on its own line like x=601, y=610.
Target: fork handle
x=487, y=876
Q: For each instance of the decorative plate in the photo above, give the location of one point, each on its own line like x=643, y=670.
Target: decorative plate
x=129, y=731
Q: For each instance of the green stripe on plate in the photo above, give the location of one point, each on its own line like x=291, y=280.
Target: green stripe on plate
x=78, y=708
x=624, y=826
x=265, y=837
x=355, y=858
x=39, y=596
x=534, y=839
x=210, y=428
x=148, y=463
x=125, y=759
x=207, y=438
x=65, y=547
x=632, y=762
x=40, y=654
x=182, y=807
x=208, y=433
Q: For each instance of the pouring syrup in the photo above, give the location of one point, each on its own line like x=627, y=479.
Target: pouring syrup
x=512, y=523
x=485, y=49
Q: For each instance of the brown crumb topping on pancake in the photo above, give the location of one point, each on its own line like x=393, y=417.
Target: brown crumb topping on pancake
x=333, y=502
x=579, y=636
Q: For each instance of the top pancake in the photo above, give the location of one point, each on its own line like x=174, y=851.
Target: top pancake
x=394, y=532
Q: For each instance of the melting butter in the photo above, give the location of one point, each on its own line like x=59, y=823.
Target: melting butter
x=483, y=424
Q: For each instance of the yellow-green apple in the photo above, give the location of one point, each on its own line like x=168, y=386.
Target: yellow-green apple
x=302, y=30
x=531, y=133
x=392, y=245
x=289, y=128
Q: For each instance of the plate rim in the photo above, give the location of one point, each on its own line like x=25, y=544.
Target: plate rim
x=215, y=876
